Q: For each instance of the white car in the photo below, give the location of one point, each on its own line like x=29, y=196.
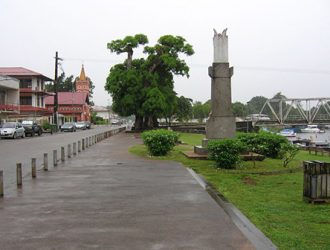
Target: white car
x=12, y=130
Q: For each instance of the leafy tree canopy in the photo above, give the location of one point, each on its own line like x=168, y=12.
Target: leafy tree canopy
x=144, y=87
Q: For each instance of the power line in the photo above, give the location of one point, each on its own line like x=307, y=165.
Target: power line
x=249, y=68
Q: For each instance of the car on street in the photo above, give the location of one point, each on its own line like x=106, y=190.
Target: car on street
x=68, y=126
x=116, y=122
x=31, y=128
x=12, y=130
x=81, y=125
x=88, y=124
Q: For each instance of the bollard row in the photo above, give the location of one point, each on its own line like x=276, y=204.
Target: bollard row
x=82, y=144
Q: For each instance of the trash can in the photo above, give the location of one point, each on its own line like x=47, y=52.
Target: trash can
x=316, y=181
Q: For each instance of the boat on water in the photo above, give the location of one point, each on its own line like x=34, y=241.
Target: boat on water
x=288, y=132
x=311, y=129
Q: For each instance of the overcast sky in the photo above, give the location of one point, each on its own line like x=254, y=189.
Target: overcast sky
x=274, y=46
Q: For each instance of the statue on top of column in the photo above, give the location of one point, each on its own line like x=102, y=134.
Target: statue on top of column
x=220, y=45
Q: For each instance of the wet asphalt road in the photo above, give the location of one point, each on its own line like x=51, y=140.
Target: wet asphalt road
x=21, y=150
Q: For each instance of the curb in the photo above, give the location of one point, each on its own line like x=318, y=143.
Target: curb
x=249, y=230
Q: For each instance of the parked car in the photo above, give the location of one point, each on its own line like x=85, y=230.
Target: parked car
x=69, y=126
x=116, y=122
x=81, y=125
x=32, y=128
x=88, y=124
x=12, y=130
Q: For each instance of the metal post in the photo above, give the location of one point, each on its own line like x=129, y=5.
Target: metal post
x=69, y=150
x=79, y=146
x=55, y=158
x=34, y=167
x=1, y=183
x=86, y=142
x=45, y=161
x=83, y=143
x=56, y=92
x=19, y=174
x=62, y=154
x=90, y=141
x=74, y=148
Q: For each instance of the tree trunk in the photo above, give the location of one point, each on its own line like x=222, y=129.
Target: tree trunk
x=148, y=122
x=138, y=123
x=129, y=58
x=155, y=122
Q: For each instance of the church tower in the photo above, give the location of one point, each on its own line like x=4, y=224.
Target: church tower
x=82, y=83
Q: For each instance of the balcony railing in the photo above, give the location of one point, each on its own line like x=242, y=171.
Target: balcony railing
x=30, y=108
x=9, y=108
x=32, y=90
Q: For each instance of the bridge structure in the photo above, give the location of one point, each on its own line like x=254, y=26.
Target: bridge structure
x=295, y=111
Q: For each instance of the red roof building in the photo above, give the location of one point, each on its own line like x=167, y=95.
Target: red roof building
x=31, y=91
x=73, y=106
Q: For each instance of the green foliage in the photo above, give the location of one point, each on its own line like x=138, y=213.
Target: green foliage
x=47, y=126
x=287, y=153
x=226, y=152
x=239, y=109
x=127, y=44
x=265, y=143
x=184, y=109
x=159, y=142
x=144, y=87
x=201, y=111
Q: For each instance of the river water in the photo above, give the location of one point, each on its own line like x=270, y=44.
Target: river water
x=314, y=137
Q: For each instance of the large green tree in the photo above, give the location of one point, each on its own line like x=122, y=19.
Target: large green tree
x=184, y=110
x=239, y=109
x=144, y=87
x=201, y=111
x=65, y=84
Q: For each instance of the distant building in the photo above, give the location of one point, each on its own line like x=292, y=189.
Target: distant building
x=31, y=93
x=9, y=97
x=83, y=83
x=72, y=106
x=103, y=112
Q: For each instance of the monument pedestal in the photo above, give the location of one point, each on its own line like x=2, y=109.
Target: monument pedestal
x=221, y=123
x=220, y=127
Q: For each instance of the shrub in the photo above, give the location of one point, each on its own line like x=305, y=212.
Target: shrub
x=287, y=153
x=265, y=143
x=159, y=142
x=47, y=126
x=226, y=152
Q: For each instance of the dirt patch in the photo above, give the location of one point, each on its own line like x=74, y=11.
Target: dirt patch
x=249, y=181
x=324, y=222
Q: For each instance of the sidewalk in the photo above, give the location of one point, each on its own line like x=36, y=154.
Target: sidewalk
x=106, y=198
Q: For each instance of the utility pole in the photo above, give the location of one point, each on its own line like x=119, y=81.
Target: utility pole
x=56, y=91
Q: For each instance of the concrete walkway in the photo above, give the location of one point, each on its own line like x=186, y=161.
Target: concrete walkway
x=106, y=198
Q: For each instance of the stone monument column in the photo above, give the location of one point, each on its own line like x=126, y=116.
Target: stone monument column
x=221, y=122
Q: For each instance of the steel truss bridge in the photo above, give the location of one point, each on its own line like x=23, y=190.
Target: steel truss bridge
x=296, y=111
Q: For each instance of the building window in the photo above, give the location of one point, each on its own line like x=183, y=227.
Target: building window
x=25, y=100
x=2, y=97
x=25, y=83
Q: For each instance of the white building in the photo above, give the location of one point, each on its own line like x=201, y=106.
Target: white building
x=9, y=97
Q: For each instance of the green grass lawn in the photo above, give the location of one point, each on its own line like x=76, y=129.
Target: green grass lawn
x=273, y=202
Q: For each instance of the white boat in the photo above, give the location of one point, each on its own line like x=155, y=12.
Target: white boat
x=287, y=133
x=312, y=129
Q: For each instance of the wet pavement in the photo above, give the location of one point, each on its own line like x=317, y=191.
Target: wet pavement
x=106, y=198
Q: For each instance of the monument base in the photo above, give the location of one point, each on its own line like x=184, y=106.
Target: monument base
x=220, y=127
